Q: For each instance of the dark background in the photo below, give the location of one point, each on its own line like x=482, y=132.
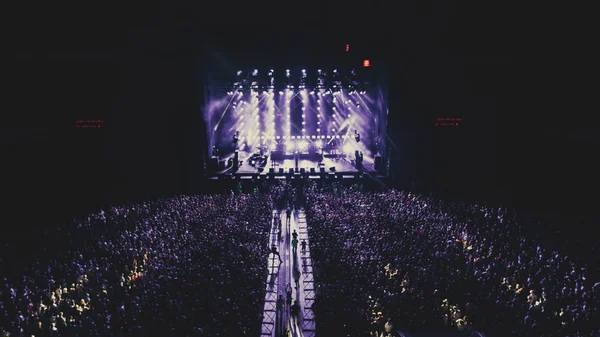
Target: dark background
x=518, y=81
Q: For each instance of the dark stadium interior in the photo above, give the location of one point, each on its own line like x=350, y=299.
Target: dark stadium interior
x=526, y=138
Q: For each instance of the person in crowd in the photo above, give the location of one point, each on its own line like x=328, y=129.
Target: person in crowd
x=275, y=252
x=295, y=246
x=295, y=312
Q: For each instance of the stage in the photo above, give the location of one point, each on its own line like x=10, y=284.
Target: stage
x=338, y=166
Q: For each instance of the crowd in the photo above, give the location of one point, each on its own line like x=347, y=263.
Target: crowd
x=181, y=266
x=383, y=261
x=395, y=260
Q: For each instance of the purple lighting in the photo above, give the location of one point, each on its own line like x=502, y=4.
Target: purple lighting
x=284, y=114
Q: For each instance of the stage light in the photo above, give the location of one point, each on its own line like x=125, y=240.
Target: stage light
x=239, y=73
x=347, y=48
x=302, y=146
x=366, y=63
x=230, y=93
x=335, y=71
x=255, y=72
x=281, y=92
x=289, y=144
x=318, y=130
x=303, y=130
x=318, y=123
x=312, y=92
x=303, y=115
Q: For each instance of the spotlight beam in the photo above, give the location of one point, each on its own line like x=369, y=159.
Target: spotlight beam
x=224, y=112
x=366, y=106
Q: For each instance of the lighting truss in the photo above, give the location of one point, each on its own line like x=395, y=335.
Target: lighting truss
x=287, y=79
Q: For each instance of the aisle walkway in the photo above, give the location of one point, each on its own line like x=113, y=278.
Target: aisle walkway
x=293, y=274
x=270, y=322
x=305, y=294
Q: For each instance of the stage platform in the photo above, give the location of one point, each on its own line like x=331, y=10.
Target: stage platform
x=342, y=168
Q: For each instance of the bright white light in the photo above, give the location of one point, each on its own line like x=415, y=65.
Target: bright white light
x=335, y=71
x=303, y=115
x=239, y=73
x=304, y=71
x=289, y=144
x=303, y=130
x=281, y=92
x=312, y=92
x=347, y=148
x=318, y=144
x=303, y=145
x=318, y=101
x=273, y=146
x=318, y=130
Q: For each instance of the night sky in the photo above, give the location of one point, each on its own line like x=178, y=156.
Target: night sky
x=526, y=135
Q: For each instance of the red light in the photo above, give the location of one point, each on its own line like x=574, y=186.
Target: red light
x=366, y=63
x=347, y=47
